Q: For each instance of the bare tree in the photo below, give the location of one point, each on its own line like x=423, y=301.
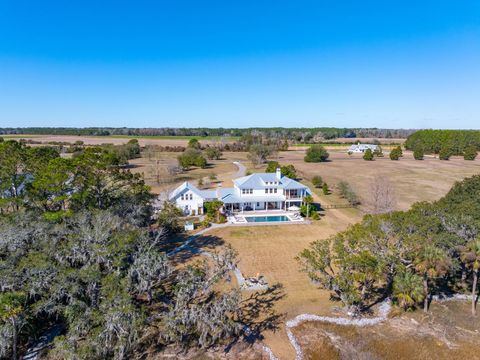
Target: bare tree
x=382, y=195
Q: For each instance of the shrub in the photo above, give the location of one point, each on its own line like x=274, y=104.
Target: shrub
x=315, y=215
x=395, y=154
x=169, y=217
x=286, y=170
x=272, y=166
x=317, y=181
x=347, y=193
x=201, y=162
x=368, y=155
x=325, y=189
x=470, y=153
x=213, y=153
x=378, y=152
x=212, y=209
x=289, y=171
x=316, y=153
x=445, y=153
x=418, y=153
x=191, y=157
x=205, y=223
x=194, y=143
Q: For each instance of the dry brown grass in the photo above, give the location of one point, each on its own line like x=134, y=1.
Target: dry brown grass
x=413, y=180
x=448, y=332
x=223, y=169
x=98, y=140
x=271, y=250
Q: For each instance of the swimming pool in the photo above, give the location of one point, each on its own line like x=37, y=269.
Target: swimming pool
x=274, y=218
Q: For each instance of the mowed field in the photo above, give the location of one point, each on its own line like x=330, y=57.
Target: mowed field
x=411, y=179
x=118, y=140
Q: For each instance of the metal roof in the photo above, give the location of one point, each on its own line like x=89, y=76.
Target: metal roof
x=262, y=180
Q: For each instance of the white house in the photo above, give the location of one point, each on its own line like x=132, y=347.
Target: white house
x=259, y=191
x=360, y=148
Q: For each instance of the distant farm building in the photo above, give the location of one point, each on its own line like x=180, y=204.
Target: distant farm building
x=360, y=148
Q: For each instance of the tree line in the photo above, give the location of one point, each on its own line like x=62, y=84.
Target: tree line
x=82, y=257
x=302, y=135
x=409, y=256
x=448, y=142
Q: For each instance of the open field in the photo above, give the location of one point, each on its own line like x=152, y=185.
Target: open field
x=412, y=180
x=223, y=169
x=118, y=139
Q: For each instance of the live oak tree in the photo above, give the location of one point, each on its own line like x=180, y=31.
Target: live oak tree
x=406, y=255
x=80, y=252
x=316, y=153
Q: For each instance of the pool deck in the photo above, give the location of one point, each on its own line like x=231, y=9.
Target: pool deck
x=293, y=216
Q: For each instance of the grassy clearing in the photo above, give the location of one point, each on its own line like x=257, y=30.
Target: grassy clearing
x=413, y=180
x=167, y=137
x=446, y=333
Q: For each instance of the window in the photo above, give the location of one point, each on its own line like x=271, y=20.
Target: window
x=243, y=191
x=275, y=190
x=271, y=191
x=182, y=197
x=251, y=191
x=266, y=191
x=258, y=204
x=191, y=196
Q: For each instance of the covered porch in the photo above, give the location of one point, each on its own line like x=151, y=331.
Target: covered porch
x=261, y=206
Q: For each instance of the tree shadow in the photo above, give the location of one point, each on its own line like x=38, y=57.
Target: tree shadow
x=258, y=313
x=195, y=247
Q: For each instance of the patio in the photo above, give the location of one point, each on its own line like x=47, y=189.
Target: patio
x=292, y=216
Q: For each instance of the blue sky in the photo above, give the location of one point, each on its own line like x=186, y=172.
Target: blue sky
x=409, y=64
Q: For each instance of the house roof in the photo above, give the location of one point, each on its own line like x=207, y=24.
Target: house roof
x=184, y=188
x=260, y=180
x=363, y=146
x=228, y=196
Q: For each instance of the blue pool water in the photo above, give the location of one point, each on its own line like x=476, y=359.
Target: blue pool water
x=277, y=218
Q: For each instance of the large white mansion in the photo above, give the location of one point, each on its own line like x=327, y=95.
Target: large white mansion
x=259, y=191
